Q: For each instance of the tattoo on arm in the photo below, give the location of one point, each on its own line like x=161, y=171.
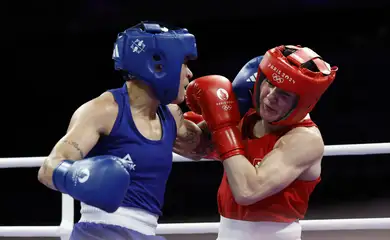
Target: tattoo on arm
x=190, y=137
x=76, y=146
x=204, y=147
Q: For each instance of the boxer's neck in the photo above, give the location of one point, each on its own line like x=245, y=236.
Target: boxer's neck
x=269, y=128
x=142, y=101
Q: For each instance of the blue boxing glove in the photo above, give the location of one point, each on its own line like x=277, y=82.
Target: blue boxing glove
x=99, y=181
x=244, y=83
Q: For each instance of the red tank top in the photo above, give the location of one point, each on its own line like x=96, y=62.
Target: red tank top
x=288, y=205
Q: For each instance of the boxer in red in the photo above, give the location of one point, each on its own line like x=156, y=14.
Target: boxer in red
x=272, y=155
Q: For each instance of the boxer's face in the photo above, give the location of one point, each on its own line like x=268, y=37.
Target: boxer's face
x=185, y=77
x=274, y=102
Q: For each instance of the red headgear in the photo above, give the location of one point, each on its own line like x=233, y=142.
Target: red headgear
x=288, y=74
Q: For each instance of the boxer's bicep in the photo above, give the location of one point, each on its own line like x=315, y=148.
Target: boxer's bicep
x=192, y=140
x=294, y=153
x=188, y=140
x=81, y=137
x=185, y=132
x=83, y=133
x=195, y=140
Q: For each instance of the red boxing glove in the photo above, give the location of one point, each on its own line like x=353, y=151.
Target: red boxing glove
x=193, y=117
x=213, y=97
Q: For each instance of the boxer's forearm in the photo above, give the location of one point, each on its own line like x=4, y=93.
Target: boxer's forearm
x=240, y=174
x=250, y=184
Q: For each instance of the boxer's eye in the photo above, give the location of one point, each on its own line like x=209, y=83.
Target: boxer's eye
x=283, y=93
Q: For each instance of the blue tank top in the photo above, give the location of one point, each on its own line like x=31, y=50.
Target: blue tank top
x=150, y=161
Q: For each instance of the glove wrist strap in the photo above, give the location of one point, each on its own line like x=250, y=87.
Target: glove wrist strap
x=59, y=175
x=228, y=142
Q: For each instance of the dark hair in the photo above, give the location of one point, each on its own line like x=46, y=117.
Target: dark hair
x=308, y=65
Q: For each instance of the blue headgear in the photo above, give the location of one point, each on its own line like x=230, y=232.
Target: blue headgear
x=155, y=54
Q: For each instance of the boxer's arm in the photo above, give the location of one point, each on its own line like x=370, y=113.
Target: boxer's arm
x=294, y=153
x=87, y=123
x=192, y=139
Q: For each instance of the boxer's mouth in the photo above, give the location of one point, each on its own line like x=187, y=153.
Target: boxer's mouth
x=268, y=108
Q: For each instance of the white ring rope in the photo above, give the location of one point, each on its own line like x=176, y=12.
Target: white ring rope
x=197, y=228
x=307, y=225
x=330, y=150
x=203, y=228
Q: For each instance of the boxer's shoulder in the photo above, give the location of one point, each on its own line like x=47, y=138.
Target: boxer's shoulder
x=107, y=103
x=175, y=110
x=177, y=114
x=100, y=112
x=305, y=131
x=307, y=139
x=304, y=134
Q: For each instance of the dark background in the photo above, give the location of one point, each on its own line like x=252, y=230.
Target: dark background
x=59, y=56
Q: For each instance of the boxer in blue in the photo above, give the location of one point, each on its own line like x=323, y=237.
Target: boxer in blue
x=244, y=82
x=117, y=153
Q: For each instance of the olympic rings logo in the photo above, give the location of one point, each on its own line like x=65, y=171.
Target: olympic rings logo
x=227, y=107
x=277, y=78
